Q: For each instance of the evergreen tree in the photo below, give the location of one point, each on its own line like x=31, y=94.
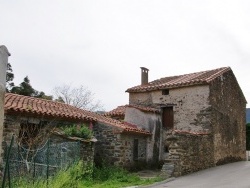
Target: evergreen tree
x=24, y=88
x=41, y=94
x=9, y=78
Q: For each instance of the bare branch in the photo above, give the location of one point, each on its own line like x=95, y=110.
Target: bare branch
x=79, y=97
x=32, y=137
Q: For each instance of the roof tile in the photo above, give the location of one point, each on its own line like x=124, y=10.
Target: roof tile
x=19, y=104
x=197, y=78
x=120, y=110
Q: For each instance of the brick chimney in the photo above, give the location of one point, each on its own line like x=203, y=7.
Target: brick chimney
x=144, y=75
x=4, y=54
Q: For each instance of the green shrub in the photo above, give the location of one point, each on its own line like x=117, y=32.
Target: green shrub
x=107, y=172
x=70, y=177
x=105, y=177
x=81, y=131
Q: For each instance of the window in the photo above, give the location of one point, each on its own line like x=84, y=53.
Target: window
x=165, y=92
x=166, y=149
x=136, y=149
x=168, y=117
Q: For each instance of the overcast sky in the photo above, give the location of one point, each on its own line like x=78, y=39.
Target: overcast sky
x=102, y=44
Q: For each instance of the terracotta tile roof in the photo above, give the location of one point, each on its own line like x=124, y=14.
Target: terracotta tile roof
x=144, y=108
x=40, y=107
x=197, y=78
x=120, y=110
x=36, y=107
x=130, y=125
x=123, y=125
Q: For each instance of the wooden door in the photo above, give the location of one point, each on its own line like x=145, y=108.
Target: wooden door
x=135, y=149
x=168, y=117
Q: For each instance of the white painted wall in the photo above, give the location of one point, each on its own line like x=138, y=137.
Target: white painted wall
x=150, y=122
x=4, y=54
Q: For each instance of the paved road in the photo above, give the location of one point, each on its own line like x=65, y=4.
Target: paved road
x=234, y=175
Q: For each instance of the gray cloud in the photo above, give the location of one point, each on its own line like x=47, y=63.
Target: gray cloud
x=102, y=44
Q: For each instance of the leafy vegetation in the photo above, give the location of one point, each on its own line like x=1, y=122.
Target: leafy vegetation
x=81, y=131
x=9, y=77
x=105, y=177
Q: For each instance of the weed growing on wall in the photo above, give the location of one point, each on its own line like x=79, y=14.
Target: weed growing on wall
x=81, y=131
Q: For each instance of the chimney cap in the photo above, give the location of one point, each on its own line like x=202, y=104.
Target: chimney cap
x=4, y=49
x=144, y=68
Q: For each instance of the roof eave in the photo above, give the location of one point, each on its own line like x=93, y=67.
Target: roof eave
x=144, y=133
x=46, y=116
x=166, y=87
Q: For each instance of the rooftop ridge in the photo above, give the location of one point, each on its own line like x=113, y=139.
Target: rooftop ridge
x=20, y=104
x=196, y=78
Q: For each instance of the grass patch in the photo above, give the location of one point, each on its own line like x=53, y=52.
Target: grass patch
x=104, y=177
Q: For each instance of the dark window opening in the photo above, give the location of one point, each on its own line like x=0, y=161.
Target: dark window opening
x=136, y=150
x=166, y=150
x=165, y=92
x=168, y=117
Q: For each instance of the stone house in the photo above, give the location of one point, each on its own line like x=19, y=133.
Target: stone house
x=148, y=119
x=115, y=139
x=122, y=144
x=196, y=120
x=117, y=113
x=34, y=121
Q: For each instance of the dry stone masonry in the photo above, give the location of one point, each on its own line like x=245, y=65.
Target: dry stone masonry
x=203, y=119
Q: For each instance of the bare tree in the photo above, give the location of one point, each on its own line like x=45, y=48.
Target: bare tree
x=31, y=138
x=80, y=97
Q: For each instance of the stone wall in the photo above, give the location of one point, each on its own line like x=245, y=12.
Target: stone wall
x=189, y=153
x=192, y=111
x=84, y=150
x=191, y=105
x=151, y=122
x=58, y=158
x=12, y=126
x=228, y=119
x=140, y=98
x=117, y=149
